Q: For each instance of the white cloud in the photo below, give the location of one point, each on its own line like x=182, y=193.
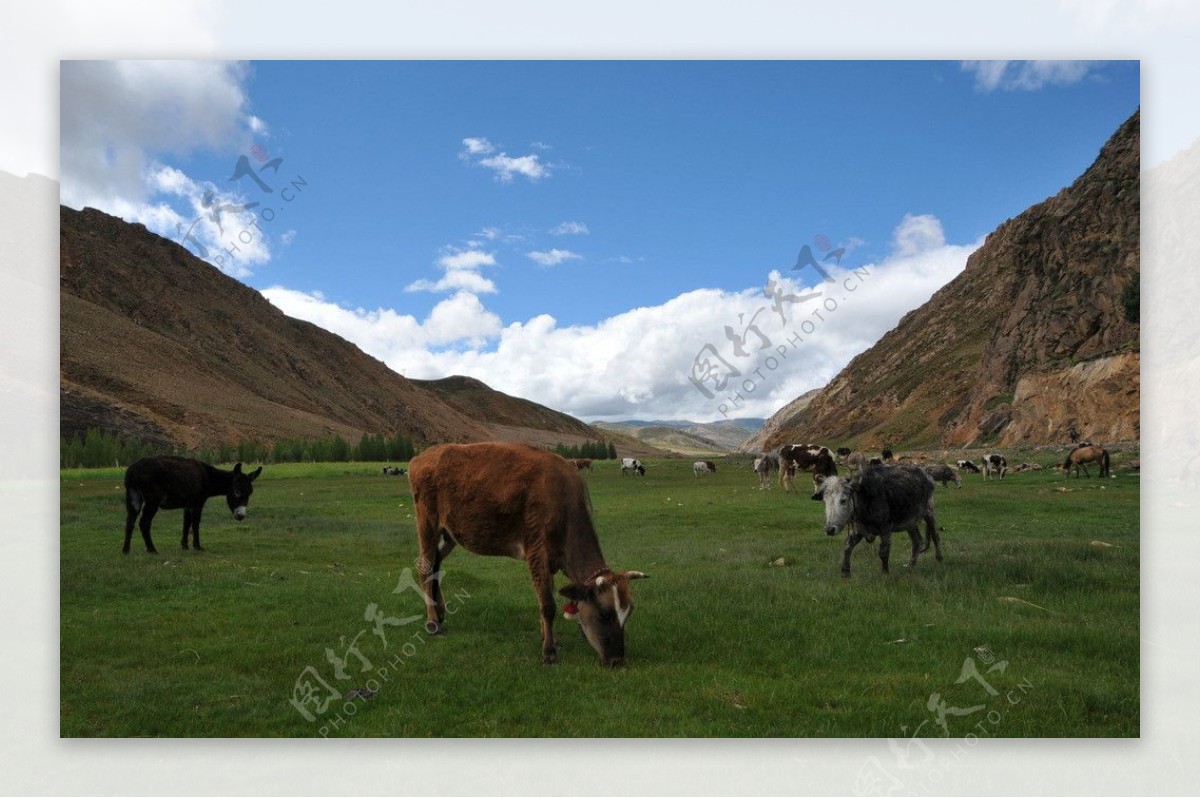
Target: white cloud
x=505, y=166
x=120, y=119
x=467, y=259
x=119, y=116
x=571, y=229
x=461, y=267
x=637, y=363
x=917, y=234
x=1027, y=75
x=476, y=146
x=455, y=280
x=552, y=257
x=461, y=318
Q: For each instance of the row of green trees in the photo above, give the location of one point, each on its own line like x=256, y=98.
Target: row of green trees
x=98, y=449
x=593, y=450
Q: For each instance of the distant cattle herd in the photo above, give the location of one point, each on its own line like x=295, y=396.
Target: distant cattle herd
x=510, y=499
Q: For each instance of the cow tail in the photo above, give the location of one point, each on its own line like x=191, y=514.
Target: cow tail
x=1106, y=468
x=1067, y=463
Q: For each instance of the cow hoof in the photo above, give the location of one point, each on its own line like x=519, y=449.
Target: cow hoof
x=845, y=574
x=125, y=551
x=433, y=627
x=549, y=657
x=152, y=551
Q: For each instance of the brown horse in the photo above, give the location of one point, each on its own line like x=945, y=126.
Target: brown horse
x=1080, y=456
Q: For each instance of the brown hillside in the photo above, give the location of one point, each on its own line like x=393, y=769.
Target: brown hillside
x=1030, y=338
x=162, y=346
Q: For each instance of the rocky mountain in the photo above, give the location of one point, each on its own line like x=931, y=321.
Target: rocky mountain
x=758, y=442
x=159, y=345
x=1033, y=336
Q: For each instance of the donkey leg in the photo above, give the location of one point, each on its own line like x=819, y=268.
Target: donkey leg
x=148, y=513
x=885, y=549
x=196, y=511
x=133, y=506
x=187, y=525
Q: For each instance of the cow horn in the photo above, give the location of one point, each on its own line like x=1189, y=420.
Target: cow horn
x=636, y=575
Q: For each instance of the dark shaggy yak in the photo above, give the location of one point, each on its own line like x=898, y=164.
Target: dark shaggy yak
x=878, y=502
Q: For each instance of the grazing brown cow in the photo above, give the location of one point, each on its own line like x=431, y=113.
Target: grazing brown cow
x=805, y=457
x=583, y=464
x=512, y=500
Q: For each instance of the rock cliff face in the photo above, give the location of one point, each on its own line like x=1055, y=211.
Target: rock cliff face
x=1033, y=336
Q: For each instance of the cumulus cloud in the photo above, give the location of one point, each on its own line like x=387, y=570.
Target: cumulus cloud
x=475, y=146
x=552, y=257
x=506, y=166
x=916, y=234
x=479, y=151
x=455, y=280
x=120, y=120
x=639, y=363
x=467, y=259
x=399, y=339
x=1027, y=75
x=461, y=272
x=571, y=229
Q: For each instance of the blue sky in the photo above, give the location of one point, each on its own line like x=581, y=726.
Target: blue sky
x=577, y=232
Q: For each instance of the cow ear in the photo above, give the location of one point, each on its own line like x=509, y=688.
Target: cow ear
x=574, y=592
x=254, y=474
x=819, y=496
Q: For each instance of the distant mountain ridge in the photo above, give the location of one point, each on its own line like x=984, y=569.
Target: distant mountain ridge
x=1031, y=338
x=158, y=345
x=689, y=437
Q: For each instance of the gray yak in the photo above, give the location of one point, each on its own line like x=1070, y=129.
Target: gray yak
x=878, y=502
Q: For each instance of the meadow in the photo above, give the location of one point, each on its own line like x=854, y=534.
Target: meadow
x=302, y=620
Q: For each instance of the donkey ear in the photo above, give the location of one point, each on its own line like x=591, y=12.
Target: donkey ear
x=253, y=475
x=574, y=592
x=237, y=469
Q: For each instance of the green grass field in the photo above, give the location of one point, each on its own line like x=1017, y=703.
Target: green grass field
x=1028, y=628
